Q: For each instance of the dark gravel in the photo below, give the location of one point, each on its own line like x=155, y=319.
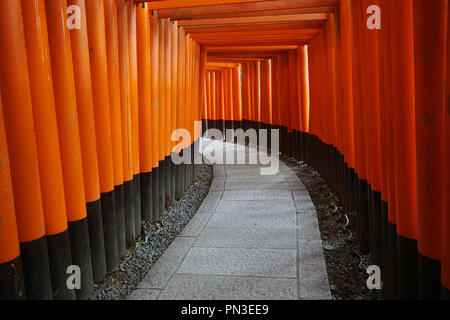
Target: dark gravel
x=346, y=265
x=154, y=241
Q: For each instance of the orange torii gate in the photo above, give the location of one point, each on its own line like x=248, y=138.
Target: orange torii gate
x=87, y=156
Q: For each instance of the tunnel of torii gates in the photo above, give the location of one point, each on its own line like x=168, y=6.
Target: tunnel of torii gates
x=90, y=95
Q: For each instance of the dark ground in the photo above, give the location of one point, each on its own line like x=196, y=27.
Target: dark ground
x=155, y=239
x=346, y=265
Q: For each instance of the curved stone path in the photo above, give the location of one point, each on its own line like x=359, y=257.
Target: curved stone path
x=254, y=237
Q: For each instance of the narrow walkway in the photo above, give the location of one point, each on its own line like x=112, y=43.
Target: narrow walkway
x=254, y=237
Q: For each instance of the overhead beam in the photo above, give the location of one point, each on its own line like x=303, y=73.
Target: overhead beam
x=244, y=7
x=252, y=20
x=255, y=34
x=221, y=65
x=173, y=4
x=244, y=55
x=252, y=48
x=329, y=9
x=258, y=27
x=258, y=42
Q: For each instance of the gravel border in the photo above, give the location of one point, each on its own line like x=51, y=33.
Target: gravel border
x=154, y=241
x=346, y=265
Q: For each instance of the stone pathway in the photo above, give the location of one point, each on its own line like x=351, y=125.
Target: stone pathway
x=254, y=237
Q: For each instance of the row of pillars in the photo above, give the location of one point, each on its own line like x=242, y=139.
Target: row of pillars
x=379, y=102
x=86, y=121
x=369, y=108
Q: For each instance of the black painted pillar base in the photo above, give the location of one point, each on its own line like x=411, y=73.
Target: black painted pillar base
x=36, y=269
x=146, y=182
x=81, y=256
x=168, y=180
x=445, y=293
x=96, y=239
x=162, y=190
x=110, y=230
x=130, y=222
x=429, y=271
x=120, y=219
x=173, y=180
x=59, y=257
x=137, y=205
x=407, y=258
x=363, y=218
x=12, y=286
x=154, y=196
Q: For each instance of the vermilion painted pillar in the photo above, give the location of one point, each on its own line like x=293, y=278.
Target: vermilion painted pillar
x=237, y=98
x=173, y=109
x=85, y=111
x=389, y=244
x=180, y=177
x=347, y=85
x=167, y=110
x=145, y=111
x=445, y=277
x=304, y=87
x=330, y=39
x=134, y=104
x=371, y=103
x=360, y=145
x=112, y=54
x=11, y=272
x=23, y=156
x=402, y=55
x=69, y=138
x=154, y=106
x=48, y=147
x=126, y=123
x=102, y=114
x=430, y=27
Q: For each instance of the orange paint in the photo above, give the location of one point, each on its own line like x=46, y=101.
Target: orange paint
x=168, y=87
x=134, y=94
x=9, y=238
x=162, y=89
x=66, y=109
x=112, y=55
x=46, y=128
x=100, y=90
x=85, y=105
x=430, y=27
x=144, y=83
x=402, y=55
x=15, y=91
x=154, y=89
x=125, y=91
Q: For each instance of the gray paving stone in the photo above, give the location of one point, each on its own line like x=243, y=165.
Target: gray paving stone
x=202, y=287
x=250, y=238
x=274, y=207
x=248, y=219
x=217, y=184
x=257, y=195
x=276, y=263
x=308, y=227
x=196, y=224
x=211, y=201
x=144, y=294
x=166, y=265
x=256, y=178
x=305, y=207
x=313, y=279
x=255, y=185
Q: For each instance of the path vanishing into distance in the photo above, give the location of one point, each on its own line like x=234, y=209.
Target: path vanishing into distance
x=254, y=237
